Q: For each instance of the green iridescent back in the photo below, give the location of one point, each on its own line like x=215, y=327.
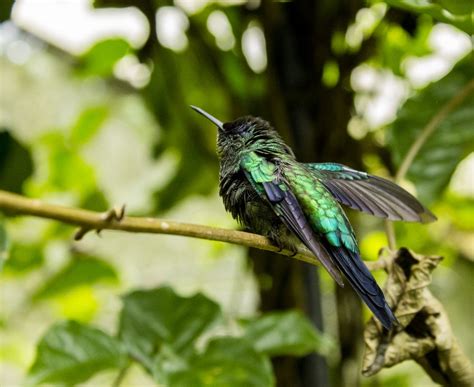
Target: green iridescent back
x=324, y=213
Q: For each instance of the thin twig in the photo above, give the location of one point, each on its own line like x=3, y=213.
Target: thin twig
x=121, y=374
x=91, y=220
x=425, y=133
x=390, y=232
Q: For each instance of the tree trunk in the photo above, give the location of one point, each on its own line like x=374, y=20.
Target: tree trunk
x=313, y=119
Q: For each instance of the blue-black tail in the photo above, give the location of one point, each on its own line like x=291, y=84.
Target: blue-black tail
x=363, y=283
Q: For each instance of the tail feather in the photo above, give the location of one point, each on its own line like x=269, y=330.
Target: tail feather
x=363, y=283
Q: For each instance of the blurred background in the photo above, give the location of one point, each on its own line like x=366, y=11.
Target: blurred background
x=94, y=112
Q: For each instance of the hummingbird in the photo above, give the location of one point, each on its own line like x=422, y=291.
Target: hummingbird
x=267, y=190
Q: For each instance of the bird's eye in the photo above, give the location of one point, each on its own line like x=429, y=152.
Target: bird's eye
x=232, y=128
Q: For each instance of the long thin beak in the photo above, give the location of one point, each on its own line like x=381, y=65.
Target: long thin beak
x=213, y=119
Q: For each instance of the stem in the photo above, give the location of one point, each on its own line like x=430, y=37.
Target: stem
x=390, y=232
x=121, y=374
x=91, y=220
x=425, y=133
x=428, y=130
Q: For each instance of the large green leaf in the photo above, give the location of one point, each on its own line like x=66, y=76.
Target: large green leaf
x=227, y=361
x=452, y=140
x=80, y=271
x=455, y=12
x=71, y=353
x=157, y=317
x=285, y=333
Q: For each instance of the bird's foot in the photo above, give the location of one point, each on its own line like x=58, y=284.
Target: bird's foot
x=294, y=251
x=282, y=247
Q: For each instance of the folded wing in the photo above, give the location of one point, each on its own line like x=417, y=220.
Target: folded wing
x=263, y=176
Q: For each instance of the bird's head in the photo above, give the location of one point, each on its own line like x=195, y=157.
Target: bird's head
x=248, y=132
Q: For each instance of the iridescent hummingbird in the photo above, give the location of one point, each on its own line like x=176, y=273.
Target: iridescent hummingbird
x=265, y=188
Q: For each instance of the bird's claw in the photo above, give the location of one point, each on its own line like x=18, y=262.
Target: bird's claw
x=295, y=252
x=281, y=249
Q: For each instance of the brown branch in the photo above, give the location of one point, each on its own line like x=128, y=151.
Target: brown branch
x=111, y=220
x=115, y=220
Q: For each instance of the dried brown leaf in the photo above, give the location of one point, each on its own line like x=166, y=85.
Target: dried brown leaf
x=424, y=333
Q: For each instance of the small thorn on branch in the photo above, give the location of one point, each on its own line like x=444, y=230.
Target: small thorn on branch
x=114, y=214
x=79, y=234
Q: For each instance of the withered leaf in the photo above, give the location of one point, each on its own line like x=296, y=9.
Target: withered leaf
x=424, y=333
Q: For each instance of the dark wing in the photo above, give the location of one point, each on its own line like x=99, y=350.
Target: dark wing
x=263, y=176
x=371, y=194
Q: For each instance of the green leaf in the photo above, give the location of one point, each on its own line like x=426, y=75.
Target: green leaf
x=101, y=58
x=87, y=125
x=80, y=271
x=152, y=318
x=71, y=353
x=4, y=244
x=455, y=12
x=227, y=361
x=451, y=141
x=285, y=333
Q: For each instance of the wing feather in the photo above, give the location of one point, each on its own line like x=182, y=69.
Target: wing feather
x=338, y=253
x=371, y=194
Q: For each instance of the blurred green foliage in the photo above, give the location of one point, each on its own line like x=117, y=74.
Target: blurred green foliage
x=100, y=59
x=81, y=270
x=397, y=44
x=87, y=125
x=281, y=333
x=455, y=12
x=24, y=257
x=161, y=330
x=169, y=167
